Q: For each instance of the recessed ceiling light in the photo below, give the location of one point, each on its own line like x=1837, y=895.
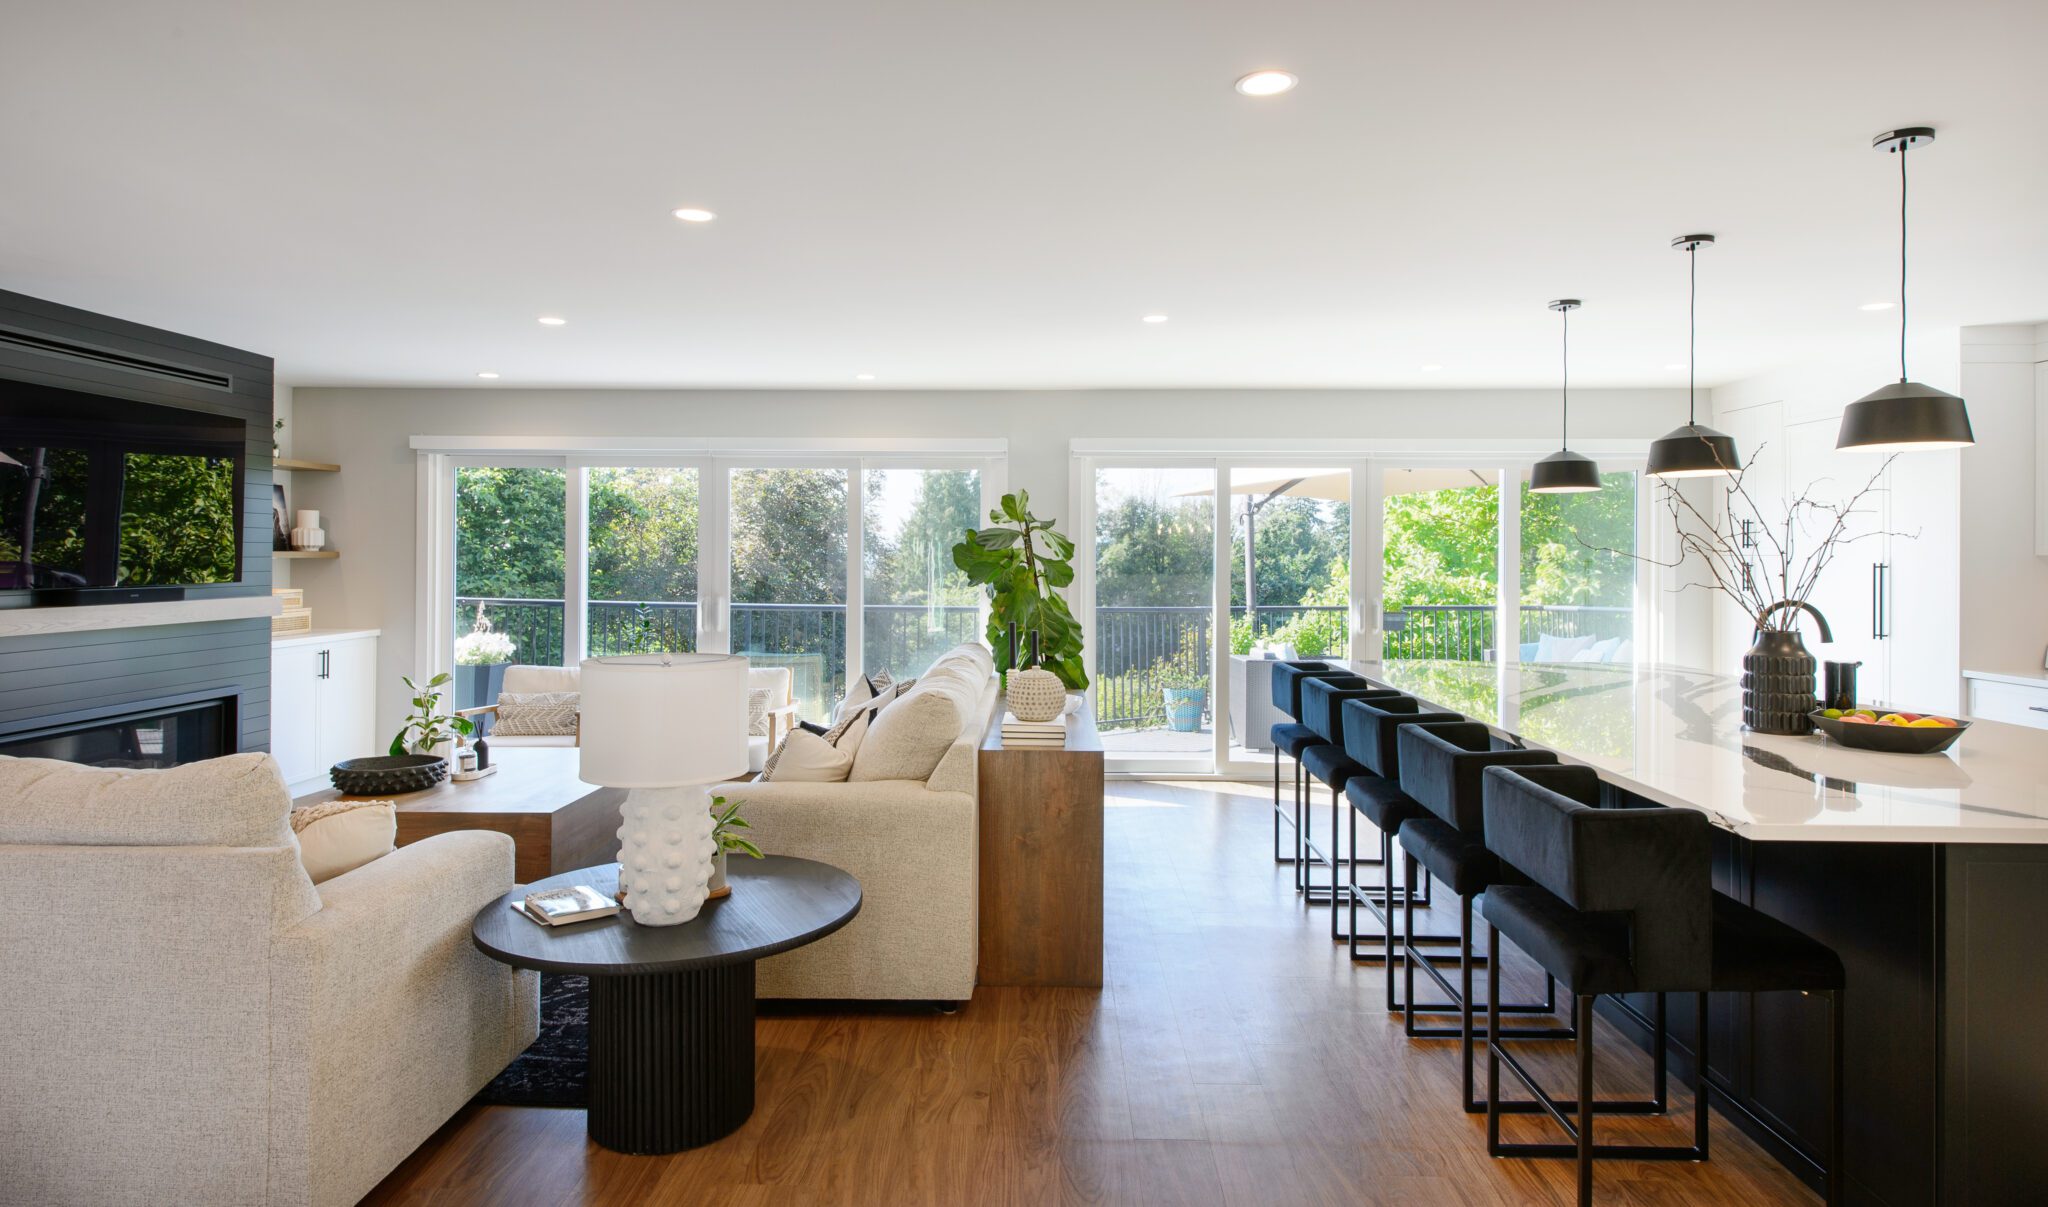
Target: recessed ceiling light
x=1432, y=368
x=488, y=376
x=1266, y=83
x=692, y=214
x=1153, y=318
x=553, y=320
x=1877, y=305
x=863, y=377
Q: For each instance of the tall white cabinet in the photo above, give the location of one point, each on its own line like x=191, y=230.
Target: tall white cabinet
x=323, y=700
x=1890, y=591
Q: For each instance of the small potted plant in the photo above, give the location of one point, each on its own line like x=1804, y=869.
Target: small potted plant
x=427, y=729
x=481, y=656
x=726, y=824
x=1184, y=688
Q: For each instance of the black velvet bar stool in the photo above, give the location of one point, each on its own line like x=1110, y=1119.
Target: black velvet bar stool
x=1443, y=769
x=1621, y=901
x=1291, y=737
x=1371, y=728
x=1322, y=709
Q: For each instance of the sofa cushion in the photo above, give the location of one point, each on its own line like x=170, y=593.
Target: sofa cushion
x=757, y=712
x=236, y=801
x=520, y=678
x=536, y=714
x=906, y=740
x=343, y=835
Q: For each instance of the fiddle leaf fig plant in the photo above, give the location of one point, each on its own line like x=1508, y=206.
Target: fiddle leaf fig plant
x=1022, y=563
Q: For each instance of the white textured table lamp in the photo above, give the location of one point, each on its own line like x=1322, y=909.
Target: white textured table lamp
x=666, y=727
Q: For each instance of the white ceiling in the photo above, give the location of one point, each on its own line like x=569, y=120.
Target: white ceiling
x=954, y=194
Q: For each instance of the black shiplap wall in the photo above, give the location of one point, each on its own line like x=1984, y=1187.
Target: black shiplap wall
x=49, y=677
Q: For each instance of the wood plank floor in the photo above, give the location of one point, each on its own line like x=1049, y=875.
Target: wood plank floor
x=1235, y=1057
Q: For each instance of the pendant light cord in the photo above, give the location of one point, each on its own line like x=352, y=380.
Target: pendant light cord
x=1565, y=384
x=1902, y=259
x=1692, y=337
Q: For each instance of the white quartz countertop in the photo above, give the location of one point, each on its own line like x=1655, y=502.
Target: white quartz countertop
x=1675, y=737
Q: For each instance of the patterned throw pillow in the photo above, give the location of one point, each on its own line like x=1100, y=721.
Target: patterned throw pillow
x=826, y=755
x=343, y=835
x=537, y=714
x=757, y=712
x=863, y=689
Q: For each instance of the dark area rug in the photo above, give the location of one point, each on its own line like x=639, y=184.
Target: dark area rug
x=555, y=1070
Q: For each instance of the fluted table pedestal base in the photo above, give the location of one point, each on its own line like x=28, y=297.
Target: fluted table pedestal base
x=671, y=1058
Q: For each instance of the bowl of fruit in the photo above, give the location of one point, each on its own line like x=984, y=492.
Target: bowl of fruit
x=1891, y=732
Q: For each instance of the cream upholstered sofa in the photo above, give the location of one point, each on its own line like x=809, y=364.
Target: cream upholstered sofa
x=188, y=1019
x=529, y=679
x=914, y=845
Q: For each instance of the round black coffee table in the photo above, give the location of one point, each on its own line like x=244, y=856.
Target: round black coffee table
x=672, y=1007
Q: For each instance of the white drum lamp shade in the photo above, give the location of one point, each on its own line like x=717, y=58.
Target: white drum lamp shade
x=665, y=726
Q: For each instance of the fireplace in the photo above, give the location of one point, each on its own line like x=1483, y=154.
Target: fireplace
x=163, y=734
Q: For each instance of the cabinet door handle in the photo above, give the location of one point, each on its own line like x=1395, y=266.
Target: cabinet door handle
x=1876, y=602
x=324, y=666
x=2037, y=708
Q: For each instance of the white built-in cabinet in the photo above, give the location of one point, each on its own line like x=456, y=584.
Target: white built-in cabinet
x=1890, y=591
x=323, y=701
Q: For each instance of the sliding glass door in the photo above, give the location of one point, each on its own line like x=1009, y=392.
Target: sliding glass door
x=789, y=577
x=1155, y=603
x=509, y=573
x=916, y=604
x=641, y=560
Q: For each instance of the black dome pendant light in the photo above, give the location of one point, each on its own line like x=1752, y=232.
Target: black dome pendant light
x=1565, y=472
x=1907, y=417
x=1695, y=450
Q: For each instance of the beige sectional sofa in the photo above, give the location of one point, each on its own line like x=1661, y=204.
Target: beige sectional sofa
x=912, y=843
x=189, y=1020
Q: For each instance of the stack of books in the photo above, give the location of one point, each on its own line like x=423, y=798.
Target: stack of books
x=559, y=907
x=1019, y=735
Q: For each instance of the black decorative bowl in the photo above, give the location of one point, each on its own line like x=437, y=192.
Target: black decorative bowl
x=388, y=775
x=1891, y=739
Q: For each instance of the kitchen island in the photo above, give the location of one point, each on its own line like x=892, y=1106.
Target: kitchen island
x=1928, y=874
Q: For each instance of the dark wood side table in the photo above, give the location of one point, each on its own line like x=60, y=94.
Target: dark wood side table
x=672, y=1007
x=1041, y=858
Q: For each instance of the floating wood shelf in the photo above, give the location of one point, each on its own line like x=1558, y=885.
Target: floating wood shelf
x=323, y=467
x=305, y=553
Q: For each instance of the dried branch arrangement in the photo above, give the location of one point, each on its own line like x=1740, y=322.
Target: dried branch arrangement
x=1753, y=558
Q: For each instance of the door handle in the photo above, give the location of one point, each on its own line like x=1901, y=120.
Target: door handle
x=325, y=666
x=2037, y=708
x=1884, y=600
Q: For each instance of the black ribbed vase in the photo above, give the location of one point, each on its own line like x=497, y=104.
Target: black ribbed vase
x=1777, y=684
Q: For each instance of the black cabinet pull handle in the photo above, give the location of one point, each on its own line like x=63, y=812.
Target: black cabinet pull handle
x=2037, y=708
x=1876, y=603
x=324, y=665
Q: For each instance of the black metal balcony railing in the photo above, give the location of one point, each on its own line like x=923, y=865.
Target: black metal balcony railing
x=1137, y=650
x=808, y=638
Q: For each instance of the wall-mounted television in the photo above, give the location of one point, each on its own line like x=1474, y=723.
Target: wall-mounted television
x=107, y=500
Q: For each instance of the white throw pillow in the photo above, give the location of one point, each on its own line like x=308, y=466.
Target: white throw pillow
x=1561, y=649
x=863, y=689
x=537, y=714
x=757, y=712
x=807, y=758
x=1600, y=651
x=341, y=836
x=906, y=740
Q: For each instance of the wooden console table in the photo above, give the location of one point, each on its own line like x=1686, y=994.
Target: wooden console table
x=557, y=822
x=1041, y=858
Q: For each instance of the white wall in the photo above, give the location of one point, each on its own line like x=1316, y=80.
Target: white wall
x=368, y=508
x=2004, y=581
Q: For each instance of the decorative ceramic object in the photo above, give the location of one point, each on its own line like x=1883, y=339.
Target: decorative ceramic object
x=307, y=533
x=1037, y=695
x=666, y=853
x=388, y=775
x=1777, y=676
